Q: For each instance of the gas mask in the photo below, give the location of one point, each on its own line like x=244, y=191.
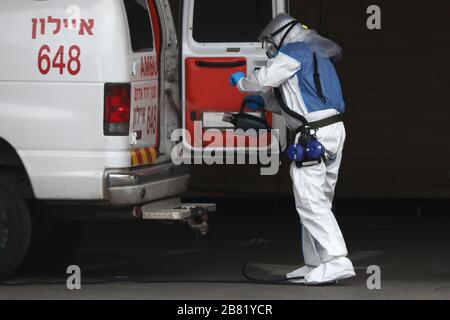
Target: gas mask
x=270, y=47
x=269, y=44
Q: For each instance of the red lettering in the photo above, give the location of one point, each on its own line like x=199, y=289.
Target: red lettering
x=73, y=65
x=84, y=27
x=58, y=61
x=56, y=22
x=34, y=22
x=44, y=63
x=148, y=67
x=42, y=22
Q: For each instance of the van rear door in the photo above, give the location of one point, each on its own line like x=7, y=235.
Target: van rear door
x=145, y=38
x=218, y=39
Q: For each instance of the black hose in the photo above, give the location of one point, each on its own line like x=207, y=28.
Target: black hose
x=252, y=249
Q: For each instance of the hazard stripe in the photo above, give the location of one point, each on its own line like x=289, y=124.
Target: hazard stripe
x=134, y=159
x=149, y=154
x=145, y=159
x=144, y=156
x=154, y=154
x=139, y=156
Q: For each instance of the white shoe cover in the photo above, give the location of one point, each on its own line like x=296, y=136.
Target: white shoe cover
x=300, y=272
x=331, y=271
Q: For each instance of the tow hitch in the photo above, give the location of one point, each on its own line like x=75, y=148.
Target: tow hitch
x=194, y=214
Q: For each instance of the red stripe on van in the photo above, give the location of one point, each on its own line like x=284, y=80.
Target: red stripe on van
x=139, y=156
x=149, y=155
x=156, y=28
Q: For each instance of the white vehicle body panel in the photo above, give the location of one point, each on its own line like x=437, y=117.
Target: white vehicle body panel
x=53, y=117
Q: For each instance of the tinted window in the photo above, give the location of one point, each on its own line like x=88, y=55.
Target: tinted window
x=230, y=20
x=140, y=25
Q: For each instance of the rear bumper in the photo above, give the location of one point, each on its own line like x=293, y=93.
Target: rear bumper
x=143, y=185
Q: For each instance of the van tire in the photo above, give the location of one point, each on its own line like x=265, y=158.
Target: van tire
x=15, y=229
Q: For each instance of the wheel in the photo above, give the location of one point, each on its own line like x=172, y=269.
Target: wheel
x=53, y=241
x=15, y=229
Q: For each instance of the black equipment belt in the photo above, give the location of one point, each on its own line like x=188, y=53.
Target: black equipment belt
x=322, y=123
x=312, y=125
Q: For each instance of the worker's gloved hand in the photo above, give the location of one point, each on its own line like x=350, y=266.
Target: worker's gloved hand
x=235, y=77
x=254, y=102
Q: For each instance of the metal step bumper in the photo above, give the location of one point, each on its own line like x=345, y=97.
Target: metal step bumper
x=195, y=214
x=132, y=187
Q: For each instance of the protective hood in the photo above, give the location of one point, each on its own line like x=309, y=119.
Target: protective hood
x=283, y=30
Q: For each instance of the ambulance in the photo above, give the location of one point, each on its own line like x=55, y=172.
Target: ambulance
x=91, y=92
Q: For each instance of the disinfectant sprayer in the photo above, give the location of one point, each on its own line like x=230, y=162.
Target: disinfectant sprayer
x=246, y=121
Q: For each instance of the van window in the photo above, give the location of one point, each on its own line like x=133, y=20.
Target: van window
x=230, y=20
x=140, y=26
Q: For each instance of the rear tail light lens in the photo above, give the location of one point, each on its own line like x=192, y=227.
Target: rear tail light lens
x=117, y=109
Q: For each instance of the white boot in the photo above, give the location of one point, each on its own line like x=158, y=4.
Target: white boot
x=298, y=274
x=330, y=272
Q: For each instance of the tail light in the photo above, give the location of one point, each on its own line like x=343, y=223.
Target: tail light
x=117, y=109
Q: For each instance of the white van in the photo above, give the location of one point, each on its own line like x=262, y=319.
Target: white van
x=90, y=93
x=89, y=97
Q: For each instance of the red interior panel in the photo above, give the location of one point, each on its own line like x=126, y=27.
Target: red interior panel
x=208, y=88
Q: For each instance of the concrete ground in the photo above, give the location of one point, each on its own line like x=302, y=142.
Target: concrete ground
x=167, y=261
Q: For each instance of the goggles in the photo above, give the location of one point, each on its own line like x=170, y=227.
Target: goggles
x=271, y=48
x=268, y=43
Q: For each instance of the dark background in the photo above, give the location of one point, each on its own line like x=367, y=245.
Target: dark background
x=396, y=82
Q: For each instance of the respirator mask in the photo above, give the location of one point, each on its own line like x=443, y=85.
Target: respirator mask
x=270, y=45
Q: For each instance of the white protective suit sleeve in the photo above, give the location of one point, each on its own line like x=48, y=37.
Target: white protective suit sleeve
x=277, y=71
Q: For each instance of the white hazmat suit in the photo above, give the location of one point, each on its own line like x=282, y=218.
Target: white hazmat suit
x=324, y=248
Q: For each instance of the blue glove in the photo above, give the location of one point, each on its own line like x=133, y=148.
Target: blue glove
x=254, y=102
x=235, y=77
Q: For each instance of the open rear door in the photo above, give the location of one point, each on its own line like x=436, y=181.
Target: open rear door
x=145, y=105
x=218, y=39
